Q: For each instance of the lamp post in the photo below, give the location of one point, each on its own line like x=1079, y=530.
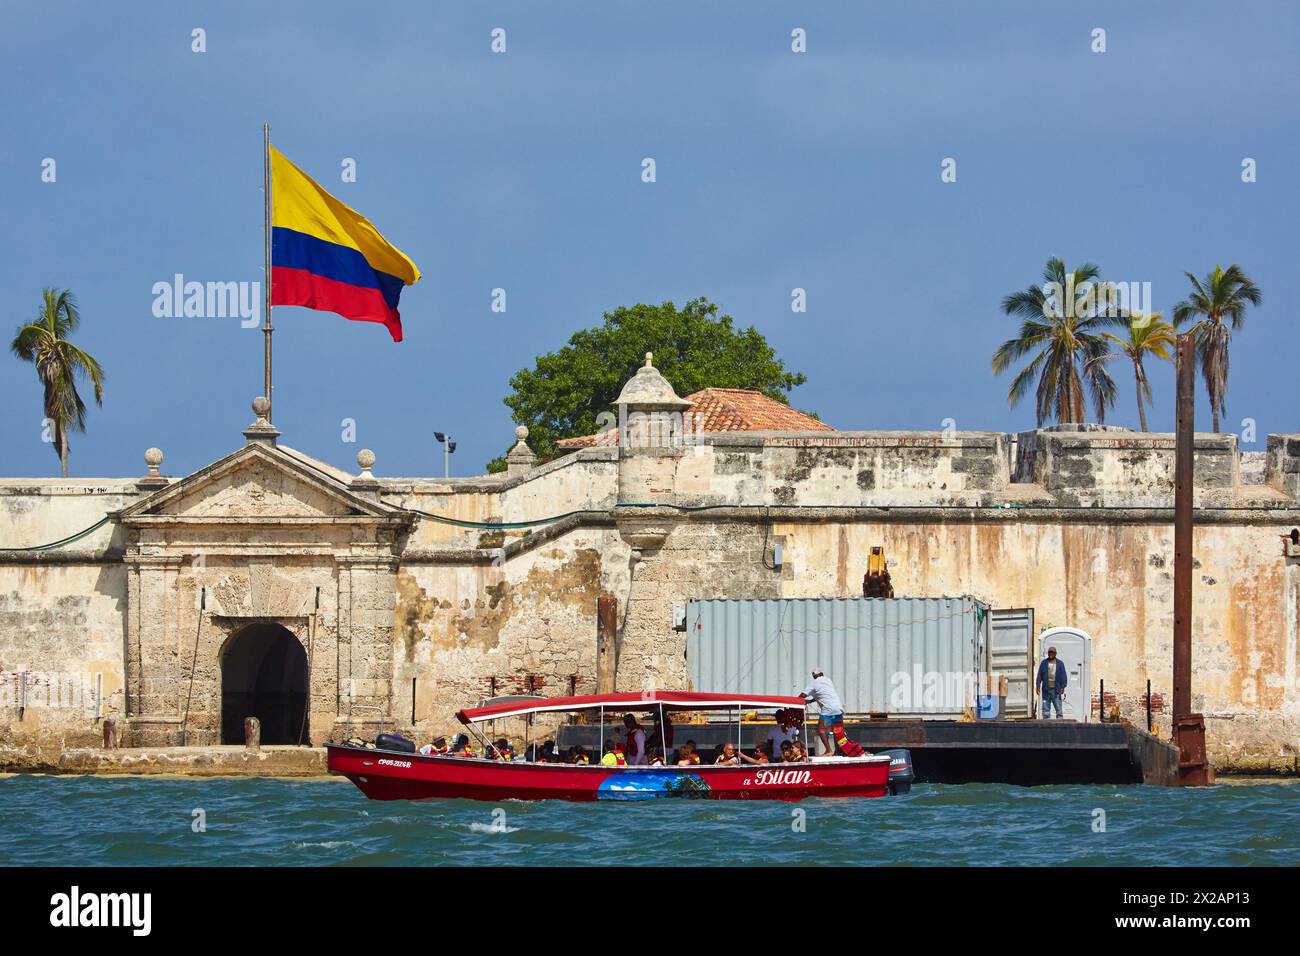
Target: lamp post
x=448, y=446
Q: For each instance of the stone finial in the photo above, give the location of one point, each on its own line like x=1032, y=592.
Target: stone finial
x=261, y=430
x=365, y=461
x=521, y=459
x=365, y=483
x=153, y=457
x=648, y=390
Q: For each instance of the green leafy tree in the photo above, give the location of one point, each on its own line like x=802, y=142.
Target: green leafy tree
x=1147, y=335
x=1062, y=325
x=694, y=347
x=1221, y=298
x=59, y=364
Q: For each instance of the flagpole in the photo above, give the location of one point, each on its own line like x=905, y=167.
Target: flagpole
x=266, y=284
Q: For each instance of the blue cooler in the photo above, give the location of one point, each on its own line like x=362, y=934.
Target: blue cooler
x=988, y=707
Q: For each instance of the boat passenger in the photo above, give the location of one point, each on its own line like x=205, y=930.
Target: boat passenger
x=502, y=750
x=614, y=757
x=460, y=746
x=656, y=757
x=760, y=755
x=785, y=730
x=787, y=751
x=578, y=755
x=797, y=753
x=635, y=750
x=686, y=755
x=436, y=749
x=727, y=754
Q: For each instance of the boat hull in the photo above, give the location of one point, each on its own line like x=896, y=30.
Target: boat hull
x=388, y=775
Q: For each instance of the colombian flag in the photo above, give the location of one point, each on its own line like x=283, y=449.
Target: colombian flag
x=329, y=257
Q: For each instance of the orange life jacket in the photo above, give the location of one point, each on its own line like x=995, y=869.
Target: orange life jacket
x=846, y=746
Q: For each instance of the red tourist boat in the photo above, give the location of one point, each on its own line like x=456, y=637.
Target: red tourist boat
x=398, y=775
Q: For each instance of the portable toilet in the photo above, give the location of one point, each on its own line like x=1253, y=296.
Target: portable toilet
x=1074, y=650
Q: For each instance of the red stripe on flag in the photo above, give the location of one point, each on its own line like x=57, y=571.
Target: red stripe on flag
x=300, y=287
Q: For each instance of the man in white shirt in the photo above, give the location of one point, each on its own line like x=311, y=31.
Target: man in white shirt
x=822, y=691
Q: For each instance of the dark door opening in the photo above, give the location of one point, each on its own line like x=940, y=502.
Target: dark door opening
x=264, y=675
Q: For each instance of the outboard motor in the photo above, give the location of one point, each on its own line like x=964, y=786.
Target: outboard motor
x=900, y=770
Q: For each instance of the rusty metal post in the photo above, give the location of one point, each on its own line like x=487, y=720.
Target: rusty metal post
x=252, y=733
x=1101, y=702
x=1188, y=728
x=606, y=635
x=1148, y=705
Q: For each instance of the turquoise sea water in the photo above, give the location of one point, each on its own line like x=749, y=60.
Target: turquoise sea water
x=124, y=821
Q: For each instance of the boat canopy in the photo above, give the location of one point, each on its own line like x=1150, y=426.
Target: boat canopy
x=644, y=701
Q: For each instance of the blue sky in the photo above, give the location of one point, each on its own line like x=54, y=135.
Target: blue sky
x=521, y=170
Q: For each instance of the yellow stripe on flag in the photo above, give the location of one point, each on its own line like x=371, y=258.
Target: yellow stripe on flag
x=299, y=203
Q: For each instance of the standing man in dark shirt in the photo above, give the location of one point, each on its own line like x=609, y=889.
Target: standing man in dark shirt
x=1051, y=683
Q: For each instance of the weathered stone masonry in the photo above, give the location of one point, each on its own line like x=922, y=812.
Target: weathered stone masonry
x=417, y=617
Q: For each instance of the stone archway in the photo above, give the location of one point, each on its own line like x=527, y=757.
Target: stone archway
x=264, y=675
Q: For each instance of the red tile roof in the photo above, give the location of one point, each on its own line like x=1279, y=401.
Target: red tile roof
x=723, y=410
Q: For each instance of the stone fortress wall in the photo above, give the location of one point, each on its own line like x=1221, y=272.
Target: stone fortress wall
x=418, y=617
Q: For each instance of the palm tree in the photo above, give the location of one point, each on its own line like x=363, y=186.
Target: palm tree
x=1147, y=335
x=1224, y=294
x=59, y=363
x=1064, y=327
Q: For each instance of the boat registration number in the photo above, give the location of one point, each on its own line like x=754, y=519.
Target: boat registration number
x=394, y=763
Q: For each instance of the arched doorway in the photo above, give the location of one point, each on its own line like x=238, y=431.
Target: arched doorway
x=264, y=675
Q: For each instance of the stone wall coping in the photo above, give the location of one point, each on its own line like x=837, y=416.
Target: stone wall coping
x=1204, y=441
x=492, y=484
x=72, y=486
x=859, y=439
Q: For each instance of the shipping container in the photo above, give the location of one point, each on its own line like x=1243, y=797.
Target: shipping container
x=906, y=657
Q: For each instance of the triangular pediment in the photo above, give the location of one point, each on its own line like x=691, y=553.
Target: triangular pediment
x=258, y=481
